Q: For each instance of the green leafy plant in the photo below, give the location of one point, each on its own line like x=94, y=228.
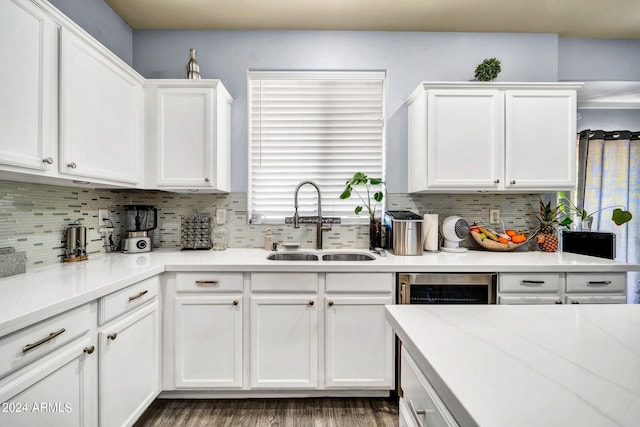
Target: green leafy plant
x=488, y=70
x=619, y=216
x=360, y=179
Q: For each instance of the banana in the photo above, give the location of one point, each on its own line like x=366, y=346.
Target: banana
x=490, y=234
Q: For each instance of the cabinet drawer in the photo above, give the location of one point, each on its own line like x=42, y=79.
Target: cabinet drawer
x=117, y=303
x=422, y=400
x=360, y=282
x=529, y=299
x=284, y=282
x=597, y=299
x=209, y=282
x=33, y=342
x=596, y=282
x=530, y=282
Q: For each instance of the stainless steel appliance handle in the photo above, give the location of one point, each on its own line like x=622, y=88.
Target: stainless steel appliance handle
x=41, y=341
x=416, y=414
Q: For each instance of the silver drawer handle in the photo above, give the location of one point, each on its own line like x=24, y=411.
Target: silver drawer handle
x=330, y=303
x=140, y=295
x=207, y=282
x=72, y=165
x=49, y=337
x=47, y=160
x=532, y=282
x=599, y=283
x=497, y=181
x=513, y=182
x=416, y=413
x=235, y=302
x=112, y=336
x=89, y=350
x=558, y=302
x=575, y=302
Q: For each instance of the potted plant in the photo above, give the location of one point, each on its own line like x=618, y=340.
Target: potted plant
x=370, y=202
x=619, y=216
x=488, y=70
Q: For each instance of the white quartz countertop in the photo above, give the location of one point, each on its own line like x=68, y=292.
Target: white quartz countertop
x=502, y=365
x=46, y=291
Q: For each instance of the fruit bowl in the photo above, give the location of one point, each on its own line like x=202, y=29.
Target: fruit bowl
x=492, y=245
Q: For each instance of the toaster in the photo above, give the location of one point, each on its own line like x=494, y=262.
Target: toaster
x=402, y=233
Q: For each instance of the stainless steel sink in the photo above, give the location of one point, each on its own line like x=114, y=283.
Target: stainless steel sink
x=348, y=256
x=292, y=256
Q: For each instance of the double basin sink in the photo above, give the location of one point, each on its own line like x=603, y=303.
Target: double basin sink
x=311, y=256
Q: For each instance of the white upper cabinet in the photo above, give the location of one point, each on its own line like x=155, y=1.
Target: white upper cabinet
x=187, y=135
x=28, y=84
x=492, y=137
x=101, y=113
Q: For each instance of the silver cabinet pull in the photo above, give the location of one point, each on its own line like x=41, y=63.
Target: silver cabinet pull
x=416, y=414
x=112, y=336
x=497, y=181
x=575, y=302
x=89, y=349
x=235, y=302
x=330, y=303
x=206, y=180
x=558, y=302
x=599, y=282
x=47, y=160
x=207, y=282
x=532, y=282
x=135, y=297
x=49, y=337
x=513, y=182
x=72, y=165
x=311, y=303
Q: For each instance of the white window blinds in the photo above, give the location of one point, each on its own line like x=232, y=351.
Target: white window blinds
x=318, y=126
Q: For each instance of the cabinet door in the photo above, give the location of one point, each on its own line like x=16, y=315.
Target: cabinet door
x=208, y=341
x=359, y=342
x=185, y=137
x=129, y=374
x=465, y=134
x=284, y=342
x=540, y=139
x=59, y=390
x=28, y=84
x=100, y=114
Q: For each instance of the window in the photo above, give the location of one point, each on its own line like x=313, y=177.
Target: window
x=318, y=126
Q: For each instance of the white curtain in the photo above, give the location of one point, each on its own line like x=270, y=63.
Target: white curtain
x=611, y=178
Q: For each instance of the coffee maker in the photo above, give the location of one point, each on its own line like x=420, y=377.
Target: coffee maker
x=140, y=219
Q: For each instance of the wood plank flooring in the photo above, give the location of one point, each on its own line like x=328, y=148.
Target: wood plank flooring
x=309, y=412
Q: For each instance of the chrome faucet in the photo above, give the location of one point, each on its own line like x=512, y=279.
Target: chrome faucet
x=296, y=218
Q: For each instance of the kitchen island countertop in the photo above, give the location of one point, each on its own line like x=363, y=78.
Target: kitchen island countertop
x=46, y=291
x=528, y=366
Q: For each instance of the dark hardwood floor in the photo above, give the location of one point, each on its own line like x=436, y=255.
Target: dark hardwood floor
x=309, y=412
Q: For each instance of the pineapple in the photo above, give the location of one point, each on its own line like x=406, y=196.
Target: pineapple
x=547, y=236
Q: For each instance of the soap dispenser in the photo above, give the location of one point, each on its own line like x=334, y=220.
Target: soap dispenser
x=268, y=240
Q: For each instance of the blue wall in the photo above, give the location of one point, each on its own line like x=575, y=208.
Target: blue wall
x=98, y=19
x=408, y=58
x=599, y=59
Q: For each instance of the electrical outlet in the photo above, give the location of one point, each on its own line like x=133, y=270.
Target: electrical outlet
x=102, y=214
x=494, y=216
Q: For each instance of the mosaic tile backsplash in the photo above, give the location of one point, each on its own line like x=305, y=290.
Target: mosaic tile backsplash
x=34, y=217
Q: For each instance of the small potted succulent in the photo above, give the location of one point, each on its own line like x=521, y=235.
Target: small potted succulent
x=370, y=202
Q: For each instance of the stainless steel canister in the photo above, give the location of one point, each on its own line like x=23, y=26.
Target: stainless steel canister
x=72, y=242
x=82, y=241
x=403, y=232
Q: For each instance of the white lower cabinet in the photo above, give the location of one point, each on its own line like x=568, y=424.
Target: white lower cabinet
x=358, y=340
x=129, y=371
x=49, y=371
x=562, y=288
x=420, y=404
x=208, y=341
x=284, y=341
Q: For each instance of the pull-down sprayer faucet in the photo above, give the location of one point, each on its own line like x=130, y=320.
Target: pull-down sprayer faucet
x=296, y=218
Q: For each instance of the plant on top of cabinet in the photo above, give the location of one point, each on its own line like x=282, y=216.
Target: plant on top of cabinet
x=488, y=70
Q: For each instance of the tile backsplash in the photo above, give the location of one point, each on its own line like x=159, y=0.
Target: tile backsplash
x=34, y=217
